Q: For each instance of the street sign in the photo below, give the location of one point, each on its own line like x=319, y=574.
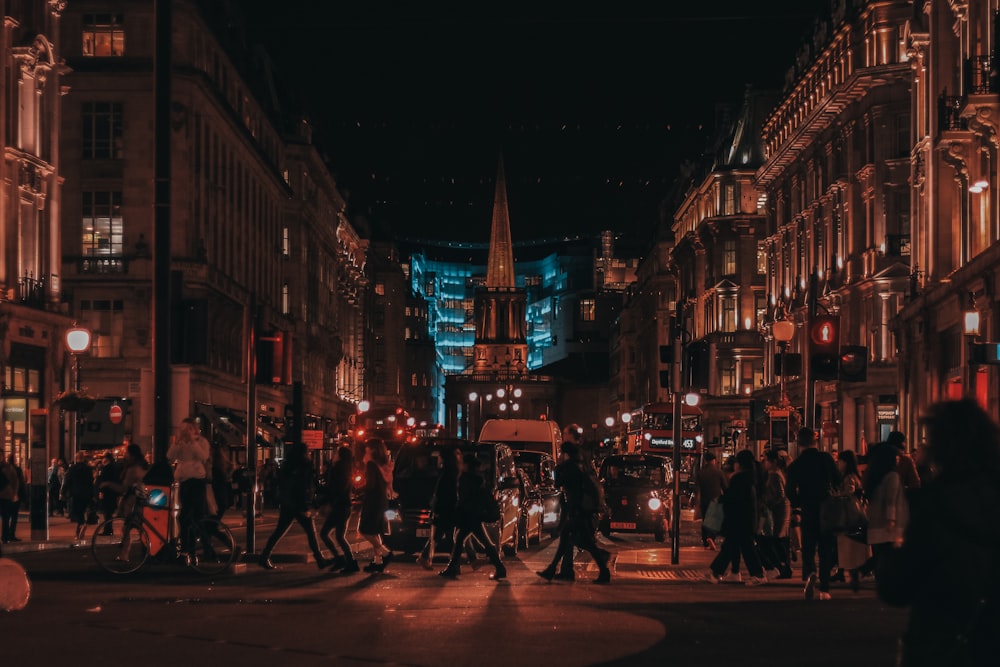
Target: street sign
x=115, y=414
x=313, y=439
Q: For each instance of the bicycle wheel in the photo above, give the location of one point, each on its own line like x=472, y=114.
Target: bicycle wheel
x=119, y=545
x=215, y=548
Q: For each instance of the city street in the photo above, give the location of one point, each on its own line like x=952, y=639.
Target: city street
x=652, y=613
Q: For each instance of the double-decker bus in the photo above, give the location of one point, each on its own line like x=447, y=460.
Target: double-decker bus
x=651, y=430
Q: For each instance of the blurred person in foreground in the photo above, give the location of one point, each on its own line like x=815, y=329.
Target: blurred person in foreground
x=944, y=568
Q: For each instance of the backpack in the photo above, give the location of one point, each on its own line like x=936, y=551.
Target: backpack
x=592, y=493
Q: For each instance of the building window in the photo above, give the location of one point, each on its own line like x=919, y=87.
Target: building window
x=761, y=258
x=727, y=377
x=285, y=300
x=380, y=289
x=102, y=131
x=588, y=310
x=728, y=307
x=413, y=380
x=729, y=258
x=103, y=35
x=106, y=320
x=102, y=223
x=729, y=199
x=286, y=242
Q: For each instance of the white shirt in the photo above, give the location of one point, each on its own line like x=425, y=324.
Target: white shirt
x=191, y=457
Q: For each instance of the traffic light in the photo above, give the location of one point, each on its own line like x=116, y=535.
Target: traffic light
x=699, y=366
x=824, y=340
x=853, y=363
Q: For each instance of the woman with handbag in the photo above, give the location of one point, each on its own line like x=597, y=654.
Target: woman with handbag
x=851, y=554
x=375, y=502
x=471, y=509
x=337, y=487
x=776, y=512
x=739, y=523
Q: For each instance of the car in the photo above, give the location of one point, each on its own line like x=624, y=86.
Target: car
x=542, y=505
x=414, y=477
x=637, y=493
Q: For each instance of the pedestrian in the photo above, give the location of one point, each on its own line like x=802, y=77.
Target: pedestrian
x=107, y=495
x=190, y=454
x=337, y=503
x=443, y=502
x=54, y=481
x=295, y=493
x=374, y=503
x=581, y=502
x=888, y=509
x=905, y=465
x=810, y=477
x=9, y=498
x=222, y=483
x=851, y=553
x=739, y=522
x=709, y=483
x=773, y=542
x=78, y=492
x=471, y=507
x=132, y=472
x=944, y=567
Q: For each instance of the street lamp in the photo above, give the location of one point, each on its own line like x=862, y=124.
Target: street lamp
x=971, y=329
x=784, y=331
x=508, y=396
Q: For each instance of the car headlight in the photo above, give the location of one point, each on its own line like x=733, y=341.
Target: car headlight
x=391, y=515
x=654, y=504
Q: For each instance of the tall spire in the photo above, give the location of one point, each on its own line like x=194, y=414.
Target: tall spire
x=500, y=265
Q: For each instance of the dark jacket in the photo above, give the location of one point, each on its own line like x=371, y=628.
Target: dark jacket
x=810, y=478
x=948, y=562
x=79, y=482
x=337, y=489
x=569, y=478
x=739, y=506
x=471, y=501
x=295, y=484
x=444, y=500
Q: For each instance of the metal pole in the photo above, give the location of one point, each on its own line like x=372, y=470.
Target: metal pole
x=251, y=501
x=675, y=507
x=162, y=408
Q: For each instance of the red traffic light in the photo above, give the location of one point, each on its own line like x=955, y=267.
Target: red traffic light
x=824, y=333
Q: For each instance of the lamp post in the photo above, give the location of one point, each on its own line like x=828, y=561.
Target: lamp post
x=784, y=331
x=971, y=329
x=509, y=396
x=626, y=420
x=77, y=342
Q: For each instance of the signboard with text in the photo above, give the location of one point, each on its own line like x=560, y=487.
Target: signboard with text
x=313, y=439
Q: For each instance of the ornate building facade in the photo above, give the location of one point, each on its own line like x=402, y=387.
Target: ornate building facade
x=953, y=53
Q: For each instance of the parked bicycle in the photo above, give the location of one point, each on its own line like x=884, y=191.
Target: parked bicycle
x=123, y=544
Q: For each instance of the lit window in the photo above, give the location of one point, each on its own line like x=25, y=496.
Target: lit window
x=103, y=35
x=728, y=307
x=727, y=375
x=102, y=131
x=286, y=242
x=285, y=300
x=588, y=310
x=380, y=289
x=761, y=258
x=729, y=200
x=413, y=380
x=102, y=223
x=729, y=258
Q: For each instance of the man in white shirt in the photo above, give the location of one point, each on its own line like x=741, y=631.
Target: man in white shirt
x=192, y=459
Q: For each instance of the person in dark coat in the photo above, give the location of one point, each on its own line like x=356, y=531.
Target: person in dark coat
x=470, y=508
x=739, y=522
x=945, y=568
x=710, y=483
x=375, y=502
x=295, y=490
x=443, y=510
x=78, y=491
x=811, y=476
x=337, y=486
x=578, y=519
x=107, y=495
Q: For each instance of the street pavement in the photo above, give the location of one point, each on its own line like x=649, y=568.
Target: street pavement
x=654, y=612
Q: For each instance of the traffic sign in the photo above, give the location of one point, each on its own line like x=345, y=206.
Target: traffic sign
x=115, y=414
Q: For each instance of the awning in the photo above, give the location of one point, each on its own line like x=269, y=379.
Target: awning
x=217, y=425
x=270, y=433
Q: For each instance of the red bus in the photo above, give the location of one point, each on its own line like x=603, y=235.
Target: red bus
x=651, y=430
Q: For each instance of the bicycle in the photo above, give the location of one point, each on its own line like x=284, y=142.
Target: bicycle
x=123, y=544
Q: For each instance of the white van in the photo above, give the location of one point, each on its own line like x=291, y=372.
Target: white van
x=533, y=435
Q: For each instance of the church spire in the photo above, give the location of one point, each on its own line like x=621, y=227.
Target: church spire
x=500, y=266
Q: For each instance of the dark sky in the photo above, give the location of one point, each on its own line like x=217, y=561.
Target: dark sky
x=593, y=107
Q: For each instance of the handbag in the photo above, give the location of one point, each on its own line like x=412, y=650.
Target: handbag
x=766, y=522
x=839, y=514
x=712, y=520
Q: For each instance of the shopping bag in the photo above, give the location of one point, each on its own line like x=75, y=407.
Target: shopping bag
x=713, y=516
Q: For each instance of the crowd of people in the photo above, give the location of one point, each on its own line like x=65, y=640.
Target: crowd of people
x=922, y=526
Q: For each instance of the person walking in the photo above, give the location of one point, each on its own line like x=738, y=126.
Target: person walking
x=108, y=495
x=851, y=554
x=9, y=498
x=133, y=471
x=295, y=492
x=944, y=567
x=810, y=477
x=581, y=503
x=222, y=478
x=710, y=482
x=470, y=508
x=443, y=504
x=374, y=503
x=54, y=480
x=887, y=506
x=190, y=454
x=773, y=542
x=78, y=492
x=739, y=522
x=337, y=500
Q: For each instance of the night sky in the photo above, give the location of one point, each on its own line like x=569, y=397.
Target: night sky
x=594, y=108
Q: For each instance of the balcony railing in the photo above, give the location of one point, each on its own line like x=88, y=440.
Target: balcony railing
x=950, y=113
x=980, y=79
x=30, y=291
x=101, y=264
